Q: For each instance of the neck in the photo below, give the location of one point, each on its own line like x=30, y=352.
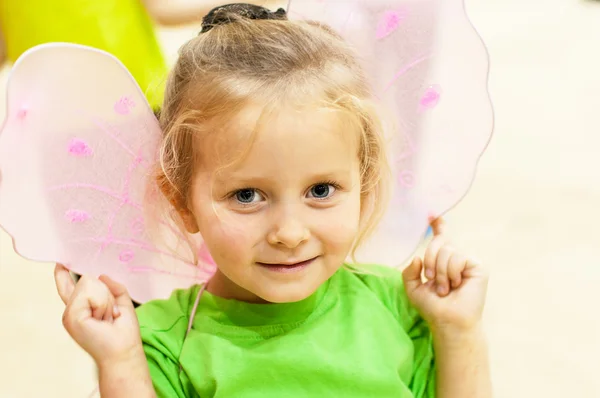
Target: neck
x=221, y=286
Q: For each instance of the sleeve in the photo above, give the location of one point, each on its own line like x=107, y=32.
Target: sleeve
x=163, y=324
x=164, y=373
x=388, y=284
x=423, y=383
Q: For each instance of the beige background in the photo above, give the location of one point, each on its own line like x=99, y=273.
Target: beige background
x=531, y=215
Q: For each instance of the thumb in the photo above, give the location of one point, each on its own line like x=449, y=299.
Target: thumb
x=64, y=283
x=412, y=274
x=118, y=291
x=474, y=269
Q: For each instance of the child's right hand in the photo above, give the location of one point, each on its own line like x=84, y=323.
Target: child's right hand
x=100, y=317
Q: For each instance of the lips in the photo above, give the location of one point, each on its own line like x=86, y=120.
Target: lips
x=288, y=266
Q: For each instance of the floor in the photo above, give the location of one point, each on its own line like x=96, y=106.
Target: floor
x=530, y=215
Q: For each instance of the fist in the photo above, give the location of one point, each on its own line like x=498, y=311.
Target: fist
x=99, y=316
x=452, y=293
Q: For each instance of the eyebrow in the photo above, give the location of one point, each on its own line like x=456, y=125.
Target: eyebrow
x=236, y=179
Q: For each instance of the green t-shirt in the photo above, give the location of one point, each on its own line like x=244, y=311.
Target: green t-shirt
x=356, y=336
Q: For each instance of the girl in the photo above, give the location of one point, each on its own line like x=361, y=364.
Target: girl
x=273, y=152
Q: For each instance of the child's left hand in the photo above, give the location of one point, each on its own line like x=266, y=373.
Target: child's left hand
x=453, y=296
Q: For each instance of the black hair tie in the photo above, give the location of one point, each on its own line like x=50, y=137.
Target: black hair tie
x=222, y=15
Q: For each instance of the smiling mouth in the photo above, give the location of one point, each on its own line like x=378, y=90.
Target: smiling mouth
x=288, y=267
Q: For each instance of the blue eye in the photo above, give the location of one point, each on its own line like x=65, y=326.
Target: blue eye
x=246, y=195
x=322, y=191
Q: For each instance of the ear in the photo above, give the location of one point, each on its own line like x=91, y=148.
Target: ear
x=189, y=221
x=179, y=205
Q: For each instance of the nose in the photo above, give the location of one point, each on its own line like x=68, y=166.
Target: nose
x=288, y=231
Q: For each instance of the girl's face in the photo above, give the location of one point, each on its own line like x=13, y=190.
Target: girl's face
x=279, y=215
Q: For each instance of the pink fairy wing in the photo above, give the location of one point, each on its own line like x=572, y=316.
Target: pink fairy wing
x=76, y=155
x=428, y=69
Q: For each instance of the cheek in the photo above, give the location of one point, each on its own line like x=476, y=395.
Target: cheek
x=341, y=225
x=229, y=239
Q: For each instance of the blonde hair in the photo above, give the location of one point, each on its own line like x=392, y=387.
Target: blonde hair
x=220, y=71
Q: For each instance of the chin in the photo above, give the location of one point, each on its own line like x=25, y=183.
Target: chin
x=282, y=294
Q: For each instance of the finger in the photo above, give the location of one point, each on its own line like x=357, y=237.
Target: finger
x=118, y=290
x=99, y=307
x=431, y=256
x=438, y=226
x=457, y=264
x=474, y=268
x=91, y=298
x=108, y=312
x=412, y=274
x=64, y=283
x=116, y=311
x=441, y=271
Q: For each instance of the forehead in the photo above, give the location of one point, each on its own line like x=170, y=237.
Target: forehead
x=283, y=138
